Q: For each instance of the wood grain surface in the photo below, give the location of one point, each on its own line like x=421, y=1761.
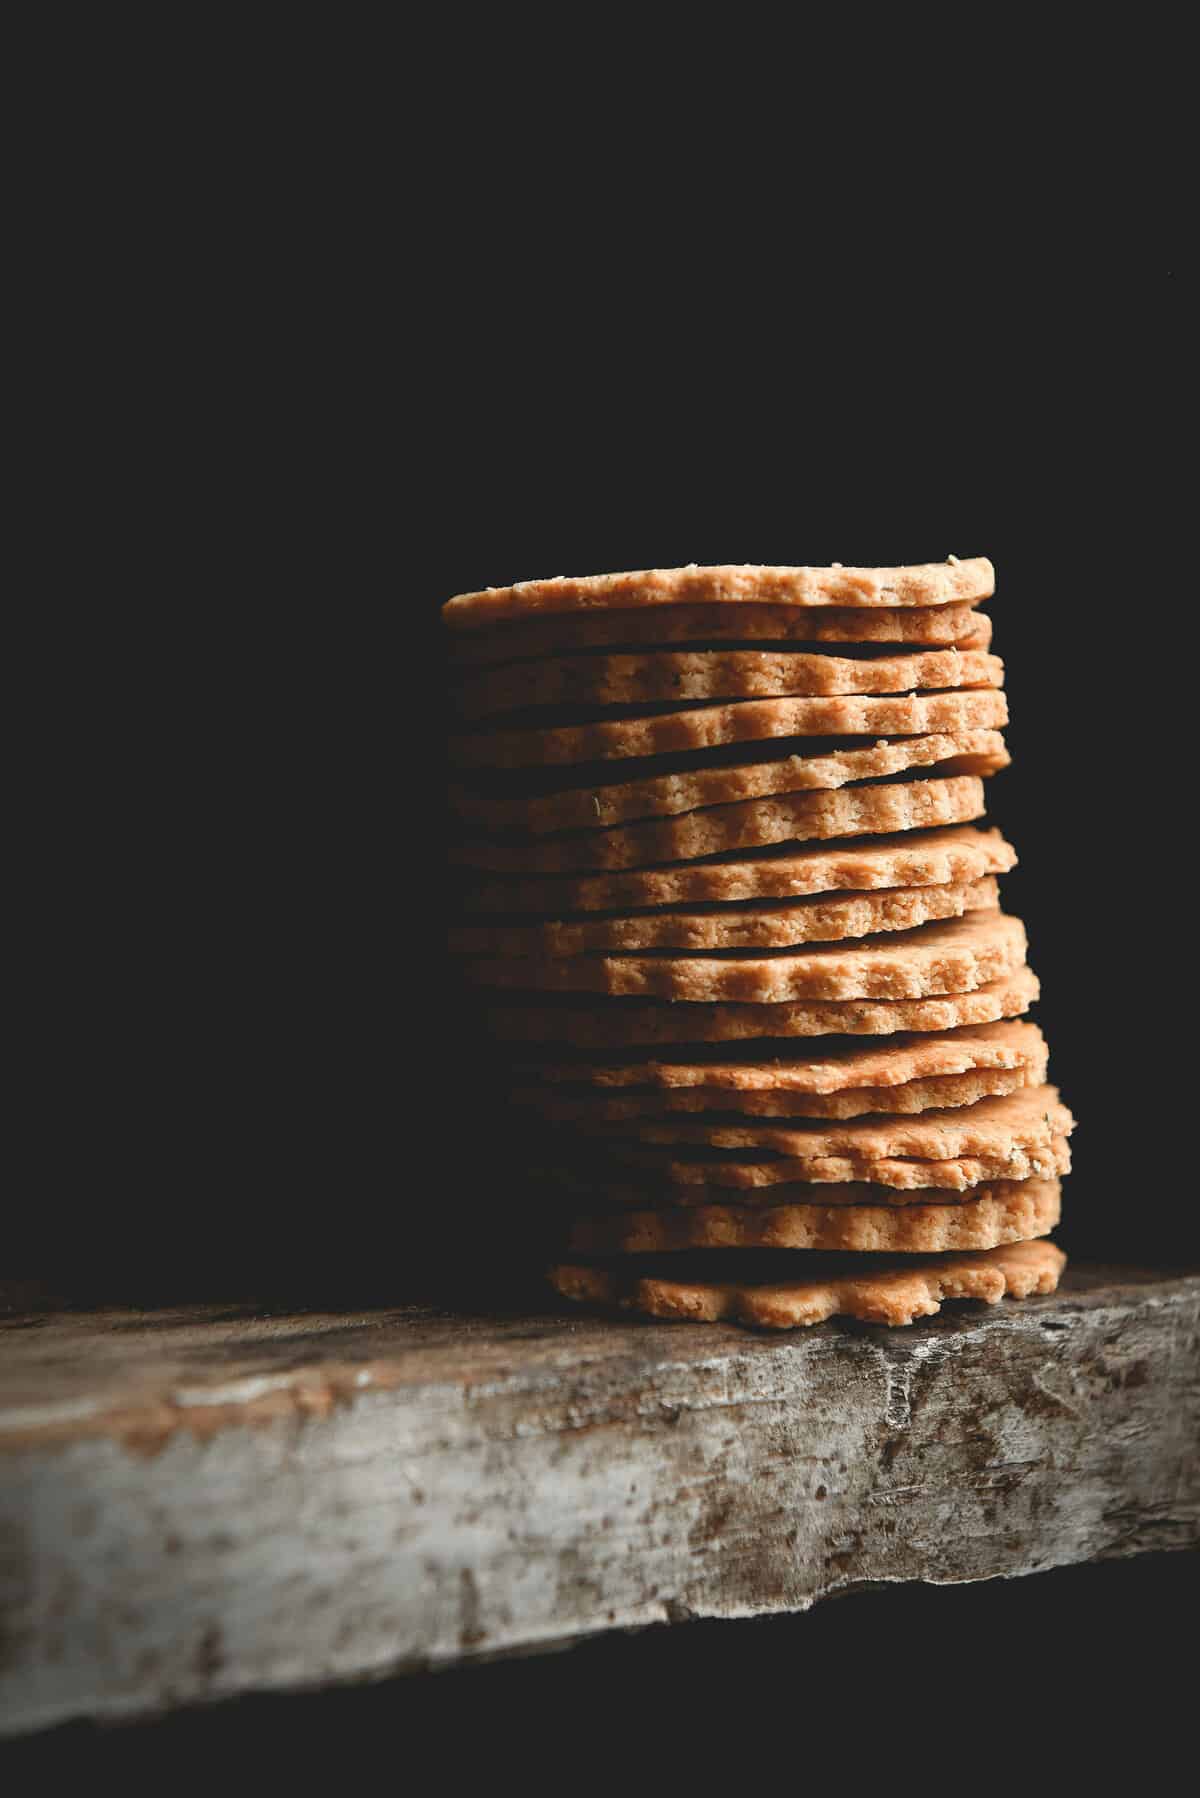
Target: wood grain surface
x=197, y=1502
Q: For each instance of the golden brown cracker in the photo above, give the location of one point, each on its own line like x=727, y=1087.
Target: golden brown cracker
x=878, y=1294
x=706, y=674
x=593, y=1107
x=660, y=626
x=914, y=858
x=623, y=1023
x=1028, y=1118
x=754, y=927
x=696, y=727
x=828, y=1069
x=751, y=824
x=896, y=1124
x=598, y=807
x=954, y=955
x=662, y=1178
x=924, y=584
x=1007, y=1211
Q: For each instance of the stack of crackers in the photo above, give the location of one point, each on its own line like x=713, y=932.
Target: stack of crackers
x=736, y=928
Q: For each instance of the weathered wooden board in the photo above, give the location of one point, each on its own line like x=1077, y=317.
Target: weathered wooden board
x=196, y=1503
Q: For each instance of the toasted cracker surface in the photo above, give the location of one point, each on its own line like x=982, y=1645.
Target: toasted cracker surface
x=595, y=1107
x=740, y=721
x=1005, y=1211
x=883, y=1295
x=750, y=824
x=1008, y=1044
x=1028, y=1119
x=705, y=1179
x=946, y=956
x=898, y=1122
x=916, y=858
x=599, y=807
x=756, y=927
x=622, y=1023
x=702, y=674
x=662, y=625
x=925, y=584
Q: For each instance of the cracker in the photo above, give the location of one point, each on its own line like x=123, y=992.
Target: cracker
x=662, y=795
x=947, y=956
x=926, y=584
x=1009, y=1044
x=1030, y=1116
x=750, y=824
x=570, y=1189
x=994, y=1128
x=879, y=1294
x=592, y=1108
x=703, y=674
x=704, y=1180
x=741, y=721
x=757, y=927
x=916, y=858
x=660, y=625
x=1005, y=1211
x=622, y=1023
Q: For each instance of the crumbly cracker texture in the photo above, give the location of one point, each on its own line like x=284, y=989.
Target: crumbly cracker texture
x=742, y=721
x=916, y=858
x=519, y=639
x=598, y=807
x=608, y=1024
x=894, y=1296
x=924, y=584
x=703, y=674
x=751, y=824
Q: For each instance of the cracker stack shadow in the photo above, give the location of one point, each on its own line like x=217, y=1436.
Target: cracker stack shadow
x=730, y=942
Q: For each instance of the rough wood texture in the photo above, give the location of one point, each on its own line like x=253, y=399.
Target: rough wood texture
x=194, y=1503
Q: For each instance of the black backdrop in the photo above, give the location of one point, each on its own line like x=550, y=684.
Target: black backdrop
x=292, y=1105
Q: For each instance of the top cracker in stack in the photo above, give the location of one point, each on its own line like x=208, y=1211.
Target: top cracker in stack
x=733, y=917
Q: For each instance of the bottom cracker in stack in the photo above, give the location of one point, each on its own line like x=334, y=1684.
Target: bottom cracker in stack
x=877, y=1290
